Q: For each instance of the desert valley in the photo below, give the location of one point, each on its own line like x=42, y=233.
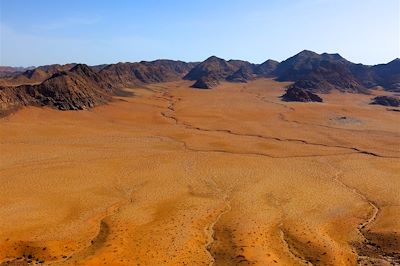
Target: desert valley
x=210, y=163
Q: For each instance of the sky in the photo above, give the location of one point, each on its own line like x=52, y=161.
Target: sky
x=94, y=32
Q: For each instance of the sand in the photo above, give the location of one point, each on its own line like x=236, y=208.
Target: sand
x=178, y=176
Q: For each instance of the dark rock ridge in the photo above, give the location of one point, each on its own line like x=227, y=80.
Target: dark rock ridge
x=217, y=67
x=8, y=71
x=36, y=75
x=297, y=94
x=266, y=69
x=326, y=72
x=75, y=89
x=67, y=87
x=243, y=75
x=311, y=71
x=72, y=86
x=133, y=74
x=386, y=101
x=232, y=70
x=319, y=73
x=387, y=75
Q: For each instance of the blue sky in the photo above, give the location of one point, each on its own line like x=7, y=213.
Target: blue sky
x=94, y=32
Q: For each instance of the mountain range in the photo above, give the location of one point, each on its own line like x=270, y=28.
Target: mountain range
x=78, y=86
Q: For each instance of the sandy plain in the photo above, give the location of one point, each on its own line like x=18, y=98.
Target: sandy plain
x=176, y=176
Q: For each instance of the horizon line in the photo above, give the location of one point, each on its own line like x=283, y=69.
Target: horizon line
x=170, y=59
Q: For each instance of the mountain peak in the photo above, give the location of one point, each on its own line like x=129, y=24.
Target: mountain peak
x=213, y=58
x=306, y=53
x=80, y=67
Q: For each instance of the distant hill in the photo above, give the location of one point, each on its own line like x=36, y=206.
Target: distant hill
x=8, y=71
x=233, y=70
x=325, y=72
x=35, y=75
x=319, y=73
x=215, y=67
x=132, y=74
x=77, y=86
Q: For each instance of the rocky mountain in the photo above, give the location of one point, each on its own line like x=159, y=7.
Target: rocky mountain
x=326, y=72
x=243, y=74
x=297, y=94
x=266, y=69
x=35, y=75
x=386, y=101
x=308, y=70
x=213, y=66
x=77, y=86
x=8, y=71
x=319, y=73
x=133, y=74
x=75, y=89
x=388, y=75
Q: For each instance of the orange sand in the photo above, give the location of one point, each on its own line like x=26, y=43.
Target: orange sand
x=178, y=176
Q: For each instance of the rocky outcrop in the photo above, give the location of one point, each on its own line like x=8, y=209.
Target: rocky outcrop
x=206, y=83
x=296, y=94
x=386, y=101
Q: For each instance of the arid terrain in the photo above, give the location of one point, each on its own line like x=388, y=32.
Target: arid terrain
x=171, y=175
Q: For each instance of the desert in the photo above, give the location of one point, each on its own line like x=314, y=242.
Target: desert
x=166, y=175
x=215, y=133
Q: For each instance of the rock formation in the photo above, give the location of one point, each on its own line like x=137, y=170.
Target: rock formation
x=206, y=83
x=75, y=89
x=296, y=94
x=386, y=101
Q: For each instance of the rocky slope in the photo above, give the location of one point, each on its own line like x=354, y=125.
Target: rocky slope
x=217, y=67
x=266, y=69
x=326, y=72
x=208, y=82
x=314, y=72
x=133, y=74
x=319, y=73
x=8, y=71
x=75, y=89
x=243, y=74
x=233, y=70
x=74, y=86
x=35, y=75
x=388, y=75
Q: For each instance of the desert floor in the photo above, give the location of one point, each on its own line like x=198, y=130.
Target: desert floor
x=177, y=176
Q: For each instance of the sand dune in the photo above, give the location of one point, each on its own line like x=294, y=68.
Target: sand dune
x=177, y=176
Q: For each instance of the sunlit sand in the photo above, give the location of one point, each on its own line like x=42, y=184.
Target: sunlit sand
x=177, y=176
